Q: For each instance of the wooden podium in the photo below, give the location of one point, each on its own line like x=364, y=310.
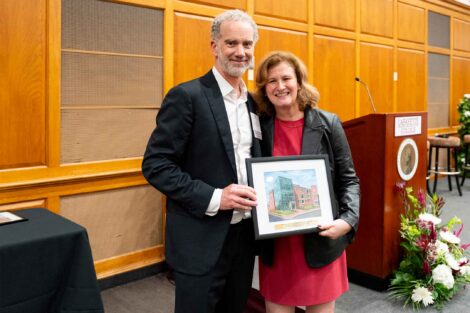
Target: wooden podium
x=382, y=145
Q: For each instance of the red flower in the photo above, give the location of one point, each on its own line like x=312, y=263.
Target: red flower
x=426, y=268
x=422, y=198
x=422, y=242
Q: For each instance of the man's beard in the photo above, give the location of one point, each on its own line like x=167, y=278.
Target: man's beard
x=234, y=71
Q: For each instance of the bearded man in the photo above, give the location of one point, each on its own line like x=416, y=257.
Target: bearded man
x=206, y=128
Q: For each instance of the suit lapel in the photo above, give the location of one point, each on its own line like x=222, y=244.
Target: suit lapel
x=255, y=147
x=311, y=138
x=313, y=133
x=267, y=128
x=216, y=102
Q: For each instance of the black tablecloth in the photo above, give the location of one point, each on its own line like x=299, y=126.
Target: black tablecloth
x=46, y=266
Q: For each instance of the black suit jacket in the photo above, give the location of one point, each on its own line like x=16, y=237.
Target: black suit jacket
x=322, y=134
x=189, y=154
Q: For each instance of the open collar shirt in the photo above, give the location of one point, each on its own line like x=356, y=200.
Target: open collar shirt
x=240, y=128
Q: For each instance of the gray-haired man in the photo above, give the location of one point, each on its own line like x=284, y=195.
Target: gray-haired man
x=206, y=128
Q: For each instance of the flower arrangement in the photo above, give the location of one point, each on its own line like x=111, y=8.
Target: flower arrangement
x=464, y=115
x=434, y=267
x=464, y=120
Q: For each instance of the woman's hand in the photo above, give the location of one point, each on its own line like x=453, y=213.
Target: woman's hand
x=335, y=229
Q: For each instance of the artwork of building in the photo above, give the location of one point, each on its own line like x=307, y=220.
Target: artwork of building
x=286, y=196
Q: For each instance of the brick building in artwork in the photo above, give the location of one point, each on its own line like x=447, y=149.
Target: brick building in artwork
x=286, y=196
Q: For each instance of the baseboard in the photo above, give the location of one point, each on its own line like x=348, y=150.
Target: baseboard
x=131, y=276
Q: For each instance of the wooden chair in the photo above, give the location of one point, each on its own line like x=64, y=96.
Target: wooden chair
x=451, y=145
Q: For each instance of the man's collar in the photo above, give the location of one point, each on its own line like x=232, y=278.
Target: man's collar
x=224, y=85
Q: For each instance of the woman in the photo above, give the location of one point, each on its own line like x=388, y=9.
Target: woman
x=305, y=270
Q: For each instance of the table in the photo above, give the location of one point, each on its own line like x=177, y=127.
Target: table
x=46, y=266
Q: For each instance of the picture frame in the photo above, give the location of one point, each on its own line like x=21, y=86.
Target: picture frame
x=294, y=194
x=9, y=218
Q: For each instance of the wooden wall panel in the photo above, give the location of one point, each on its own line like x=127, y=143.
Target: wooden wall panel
x=411, y=85
x=376, y=69
x=22, y=83
x=460, y=84
x=118, y=221
x=377, y=17
x=333, y=73
x=279, y=9
x=461, y=35
x=41, y=203
x=105, y=134
x=335, y=13
x=411, y=23
x=279, y=39
x=237, y=4
x=193, y=56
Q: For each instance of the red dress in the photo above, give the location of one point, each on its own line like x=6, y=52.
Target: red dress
x=290, y=281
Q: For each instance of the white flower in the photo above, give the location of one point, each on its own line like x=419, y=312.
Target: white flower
x=465, y=270
x=449, y=237
x=441, y=247
x=429, y=217
x=443, y=274
x=466, y=113
x=452, y=262
x=422, y=294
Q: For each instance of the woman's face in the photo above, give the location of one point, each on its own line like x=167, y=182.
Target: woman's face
x=282, y=86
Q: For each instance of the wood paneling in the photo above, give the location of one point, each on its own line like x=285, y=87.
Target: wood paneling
x=411, y=23
x=237, y=4
x=377, y=71
x=22, y=83
x=333, y=73
x=192, y=57
x=377, y=17
x=460, y=84
x=279, y=9
x=279, y=39
x=335, y=13
x=461, y=35
x=411, y=85
x=41, y=203
x=118, y=221
x=105, y=134
x=129, y=261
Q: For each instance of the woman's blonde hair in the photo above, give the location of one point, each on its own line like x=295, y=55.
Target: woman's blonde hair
x=307, y=95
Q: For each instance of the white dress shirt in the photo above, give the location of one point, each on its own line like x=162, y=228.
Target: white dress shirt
x=240, y=127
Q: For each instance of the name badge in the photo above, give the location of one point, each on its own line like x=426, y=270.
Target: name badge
x=256, y=126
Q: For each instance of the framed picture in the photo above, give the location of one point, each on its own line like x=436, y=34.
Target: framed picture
x=8, y=218
x=294, y=194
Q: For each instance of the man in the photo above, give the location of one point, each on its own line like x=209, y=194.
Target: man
x=206, y=128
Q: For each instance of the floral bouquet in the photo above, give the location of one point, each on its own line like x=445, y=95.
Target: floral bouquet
x=464, y=115
x=434, y=267
x=464, y=120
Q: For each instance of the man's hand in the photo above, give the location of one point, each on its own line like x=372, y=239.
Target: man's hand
x=238, y=197
x=335, y=229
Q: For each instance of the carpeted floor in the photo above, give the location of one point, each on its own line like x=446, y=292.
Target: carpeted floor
x=154, y=294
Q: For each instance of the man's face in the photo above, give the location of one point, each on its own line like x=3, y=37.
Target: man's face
x=234, y=49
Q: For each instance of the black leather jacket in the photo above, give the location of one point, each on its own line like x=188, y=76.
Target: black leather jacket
x=322, y=134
